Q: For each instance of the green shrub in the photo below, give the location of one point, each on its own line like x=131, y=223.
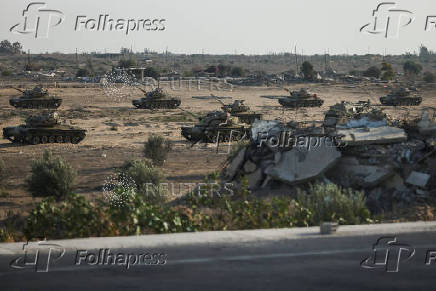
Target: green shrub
x=51, y=176
x=329, y=202
x=75, y=217
x=147, y=179
x=429, y=77
x=156, y=149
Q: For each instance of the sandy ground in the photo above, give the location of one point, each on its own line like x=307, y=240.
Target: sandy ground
x=116, y=131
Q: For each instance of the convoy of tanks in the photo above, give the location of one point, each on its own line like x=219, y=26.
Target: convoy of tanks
x=230, y=123
x=42, y=127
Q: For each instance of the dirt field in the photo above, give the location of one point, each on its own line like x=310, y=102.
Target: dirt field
x=116, y=132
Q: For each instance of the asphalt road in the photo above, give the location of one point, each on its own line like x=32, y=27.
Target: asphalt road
x=310, y=262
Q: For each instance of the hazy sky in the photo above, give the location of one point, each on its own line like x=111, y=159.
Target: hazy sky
x=225, y=26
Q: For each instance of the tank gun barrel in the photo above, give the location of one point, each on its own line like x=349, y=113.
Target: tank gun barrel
x=216, y=98
x=145, y=92
x=19, y=90
x=190, y=113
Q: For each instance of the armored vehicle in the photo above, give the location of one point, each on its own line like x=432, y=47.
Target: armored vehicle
x=35, y=98
x=301, y=98
x=343, y=112
x=156, y=99
x=240, y=110
x=402, y=97
x=44, y=128
x=216, y=126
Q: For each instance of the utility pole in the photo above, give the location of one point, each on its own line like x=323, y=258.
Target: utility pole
x=77, y=60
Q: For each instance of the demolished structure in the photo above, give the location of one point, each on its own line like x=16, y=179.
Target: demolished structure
x=356, y=147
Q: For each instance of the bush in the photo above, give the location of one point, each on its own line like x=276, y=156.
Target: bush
x=147, y=179
x=372, y=72
x=156, y=149
x=6, y=73
x=75, y=217
x=83, y=73
x=429, y=77
x=51, y=177
x=329, y=202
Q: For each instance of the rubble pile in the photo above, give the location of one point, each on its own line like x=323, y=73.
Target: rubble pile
x=361, y=150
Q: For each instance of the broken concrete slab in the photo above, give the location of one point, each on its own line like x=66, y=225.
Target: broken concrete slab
x=363, y=122
x=426, y=126
x=255, y=179
x=361, y=175
x=418, y=179
x=249, y=167
x=370, y=136
x=296, y=166
x=236, y=164
x=395, y=182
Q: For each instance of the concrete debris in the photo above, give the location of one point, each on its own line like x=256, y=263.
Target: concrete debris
x=369, y=136
x=418, y=179
x=250, y=167
x=426, y=126
x=235, y=164
x=356, y=175
x=255, y=179
x=296, y=166
x=363, y=122
x=389, y=163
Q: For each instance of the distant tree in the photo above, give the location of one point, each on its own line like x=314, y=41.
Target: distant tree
x=32, y=67
x=17, y=47
x=211, y=69
x=224, y=70
x=387, y=72
x=307, y=70
x=126, y=63
x=237, y=72
x=429, y=77
x=412, y=69
x=82, y=72
x=424, y=53
x=372, y=72
x=151, y=72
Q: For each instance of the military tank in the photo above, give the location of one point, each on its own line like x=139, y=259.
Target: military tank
x=44, y=128
x=216, y=126
x=35, y=98
x=343, y=112
x=240, y=110
x=156, y=99
x=301, y=98
x=402, y=97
